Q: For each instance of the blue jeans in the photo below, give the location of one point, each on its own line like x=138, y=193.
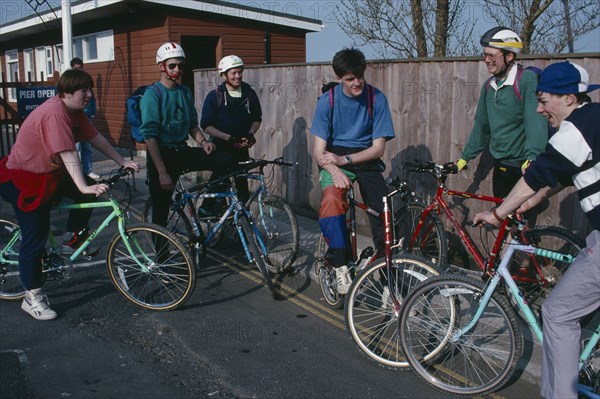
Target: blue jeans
x=36, y=224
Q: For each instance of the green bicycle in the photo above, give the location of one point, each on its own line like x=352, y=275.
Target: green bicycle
x=146, y=263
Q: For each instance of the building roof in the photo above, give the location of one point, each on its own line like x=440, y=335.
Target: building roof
x=85, y=10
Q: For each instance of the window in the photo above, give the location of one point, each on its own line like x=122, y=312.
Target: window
x=43, y=62
x=49, y=65
x=58, y=56
x=28, y=66
x=95, y=47
x=12, y=72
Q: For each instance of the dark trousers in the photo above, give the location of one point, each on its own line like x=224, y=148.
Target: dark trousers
x=504, y=179
x=35, y=226
x=177, y=162
x=241, y=183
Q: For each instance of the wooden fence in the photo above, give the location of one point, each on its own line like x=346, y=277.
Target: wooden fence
x=433, y=103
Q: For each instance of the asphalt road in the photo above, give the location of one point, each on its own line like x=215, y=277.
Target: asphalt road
x=230, y=340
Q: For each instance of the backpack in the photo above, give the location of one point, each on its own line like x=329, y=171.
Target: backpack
x=330, y=87
x=515, y=85
x=134, y=115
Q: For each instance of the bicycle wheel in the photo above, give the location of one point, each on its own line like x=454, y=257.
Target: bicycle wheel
x=158, y=273
x=278, y=227
x=327, y=280
x=257, y=255
x=476, y=362
x=431, y=242
x=524, y=267
x=10, y=243
x=371, y=311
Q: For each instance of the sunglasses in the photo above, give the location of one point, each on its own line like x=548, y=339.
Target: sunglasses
x=181, y=65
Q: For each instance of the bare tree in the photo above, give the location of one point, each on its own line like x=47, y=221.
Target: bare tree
x=409, y=28
x=546, y=26
x=426, y=28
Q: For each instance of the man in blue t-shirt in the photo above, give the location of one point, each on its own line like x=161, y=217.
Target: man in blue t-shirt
x=572, y=157
x=350, y=131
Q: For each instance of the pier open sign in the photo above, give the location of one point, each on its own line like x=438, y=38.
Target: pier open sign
x=29, y=98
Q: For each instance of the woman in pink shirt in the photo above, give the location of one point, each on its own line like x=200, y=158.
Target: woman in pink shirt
x=44, y=166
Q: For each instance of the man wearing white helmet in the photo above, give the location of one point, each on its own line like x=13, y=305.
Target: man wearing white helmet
x=506, y=121
x=231, y=114
x=169, y=118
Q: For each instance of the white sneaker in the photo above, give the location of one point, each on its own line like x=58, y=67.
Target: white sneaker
x=36, y=304
x=94, y=176
x=343, y=280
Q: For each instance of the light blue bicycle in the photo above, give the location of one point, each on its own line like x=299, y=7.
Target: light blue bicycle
x=469, y=333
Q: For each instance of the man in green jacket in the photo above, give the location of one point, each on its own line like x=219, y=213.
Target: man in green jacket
x=506, y=119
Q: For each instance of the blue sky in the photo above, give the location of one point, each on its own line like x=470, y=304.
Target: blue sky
x=320, y=46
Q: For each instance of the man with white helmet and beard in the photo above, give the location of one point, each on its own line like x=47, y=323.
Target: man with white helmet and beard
x=169, y=118
x=232, y=114
x=506, y=121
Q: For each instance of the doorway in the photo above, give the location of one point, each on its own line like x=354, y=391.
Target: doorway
x=200, y=52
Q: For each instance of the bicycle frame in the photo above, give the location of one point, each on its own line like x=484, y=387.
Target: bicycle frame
x=121, y=223
x=235, y=208
x=388, y=222
x=503, y=273
x=439, y=206
x=439, y=203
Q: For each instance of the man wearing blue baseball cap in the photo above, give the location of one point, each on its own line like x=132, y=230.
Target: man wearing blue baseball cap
x=572, y=157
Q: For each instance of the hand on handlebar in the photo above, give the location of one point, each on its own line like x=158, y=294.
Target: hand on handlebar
x=487, y=218
x=460, y=164
x=131, y=165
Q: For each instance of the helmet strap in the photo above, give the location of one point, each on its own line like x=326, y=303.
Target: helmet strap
x=170, y=74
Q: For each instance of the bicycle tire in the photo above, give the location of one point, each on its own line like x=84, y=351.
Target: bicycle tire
x=372, y=317
x=431, y=243
x=478, y=362
x=278, y=227
x=168, y=276
x=326, y=274
x=10, y=281
x=257, y=255
x=553, y=238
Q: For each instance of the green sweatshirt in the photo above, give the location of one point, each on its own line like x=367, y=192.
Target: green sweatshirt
x=169, y=117
x=512, y=128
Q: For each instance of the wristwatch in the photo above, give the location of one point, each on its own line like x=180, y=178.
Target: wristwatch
x=348, y=159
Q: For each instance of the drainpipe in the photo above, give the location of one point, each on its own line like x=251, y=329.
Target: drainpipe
x=67, y=35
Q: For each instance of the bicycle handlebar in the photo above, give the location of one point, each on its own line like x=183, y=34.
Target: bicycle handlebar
x=119, y=174
x=241, y=169
x=260, y=163
x=439, y=171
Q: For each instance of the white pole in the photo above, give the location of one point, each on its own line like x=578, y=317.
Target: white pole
x=67, y=35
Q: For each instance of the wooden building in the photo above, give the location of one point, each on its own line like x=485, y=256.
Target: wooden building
x=118, y=39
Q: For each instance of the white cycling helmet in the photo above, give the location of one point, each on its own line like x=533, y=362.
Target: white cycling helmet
x=169, y=50
x=503, y=39
x=229, y=62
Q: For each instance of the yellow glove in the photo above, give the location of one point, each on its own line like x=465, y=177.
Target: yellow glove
x=525, y=165
x=460, y=164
